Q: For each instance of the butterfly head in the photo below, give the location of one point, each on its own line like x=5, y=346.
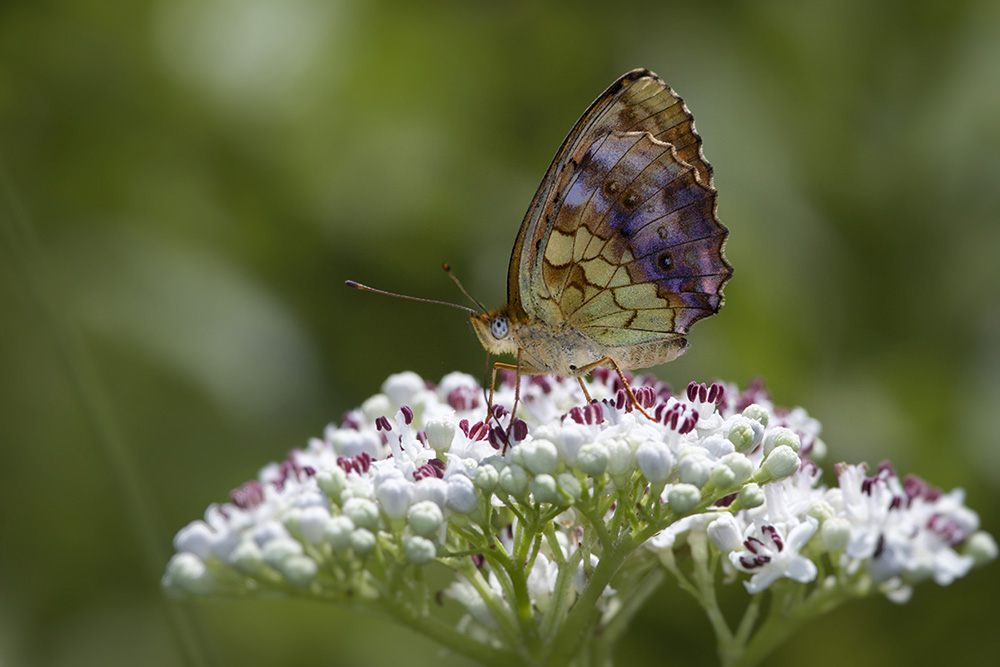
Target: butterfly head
x=494, y=330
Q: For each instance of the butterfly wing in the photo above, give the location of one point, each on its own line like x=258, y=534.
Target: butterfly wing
x=621, y=240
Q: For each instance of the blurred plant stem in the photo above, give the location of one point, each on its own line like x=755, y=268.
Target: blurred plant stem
x=28, y=259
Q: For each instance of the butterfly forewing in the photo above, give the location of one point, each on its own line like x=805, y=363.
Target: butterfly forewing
x=621, y=240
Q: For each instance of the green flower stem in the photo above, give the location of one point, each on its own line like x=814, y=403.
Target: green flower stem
x=618, y=624
x=573, y=635
x=562, y=596
x=445, y=634
x=778, y=626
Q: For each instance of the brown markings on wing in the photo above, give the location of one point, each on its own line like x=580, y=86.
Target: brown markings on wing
x=611, y=203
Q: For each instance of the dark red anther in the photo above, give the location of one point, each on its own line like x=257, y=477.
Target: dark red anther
x=772, y=534
x=464, y=427
x=382, y=424
x=576, y=414
x=497, y=437
x=351, y=421
x=248, y=496
x=645, y=396
x=422, y=437
x=407, y=414
x=508, y=378
x=479, y=431
x=879, y=546
x=593, y=413
x=542, y=382
x=692, y=391
x=725, y=501
x=716, y=393
x=621, y=398
x=520, y=430
x=688, y=424
x=866, y=485
x=463, y=398
x=499, y=411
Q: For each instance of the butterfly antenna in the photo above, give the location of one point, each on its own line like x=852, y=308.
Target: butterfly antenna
x=366, y=288
x=447, y=269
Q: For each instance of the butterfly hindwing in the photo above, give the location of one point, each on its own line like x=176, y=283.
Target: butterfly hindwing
x=622, y=241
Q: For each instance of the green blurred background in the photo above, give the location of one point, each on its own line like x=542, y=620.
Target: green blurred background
x=202, y=175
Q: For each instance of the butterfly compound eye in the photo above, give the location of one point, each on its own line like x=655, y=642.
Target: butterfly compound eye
x=499, y=327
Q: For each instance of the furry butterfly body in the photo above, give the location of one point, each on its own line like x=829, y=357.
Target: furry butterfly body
x=620, y=251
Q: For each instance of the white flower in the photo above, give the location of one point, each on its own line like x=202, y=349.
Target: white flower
x=419, y=471
x=773, y=554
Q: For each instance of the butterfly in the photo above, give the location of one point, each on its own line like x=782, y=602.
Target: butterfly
x=620, y=251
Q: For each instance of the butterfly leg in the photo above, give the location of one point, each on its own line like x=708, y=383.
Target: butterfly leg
x=628, y=390
x=584, y=388
x=517, y=395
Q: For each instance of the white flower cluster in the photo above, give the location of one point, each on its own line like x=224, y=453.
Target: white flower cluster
x=526, y=510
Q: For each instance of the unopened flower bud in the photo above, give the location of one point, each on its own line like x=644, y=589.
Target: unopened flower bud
x=375, y=407
x=683, y=498
x=440, y=434
x=196, y=538
x=756, y=413
x=362, y=541
x=394, y=495
x=338, y=532
x=745, y=434
x=592, y=459
x=433, y=489
x=570, y=485
x=694, y=467
x=750, y=496
x=332, y=481
x=620, y=456
x=363, y=512
x=721, y=477
x=539, y=456
x=419, y=550
x=425, y=518
x=188, y=573
x=655, y=461
x=276, y=552
x=982, y=547
x=400, y=388
x=779, y=436
x=545, y=490
x=835, y=532
x=310, y=522
x=462, y=496
x=741, y=466
x=514, y=480
x=725, y=533
x=487, y=478
x=247, y=558
x=779, y=464
x=299, y=570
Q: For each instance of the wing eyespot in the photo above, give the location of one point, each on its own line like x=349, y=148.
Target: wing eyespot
x=630, y=200
x=664, y=262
